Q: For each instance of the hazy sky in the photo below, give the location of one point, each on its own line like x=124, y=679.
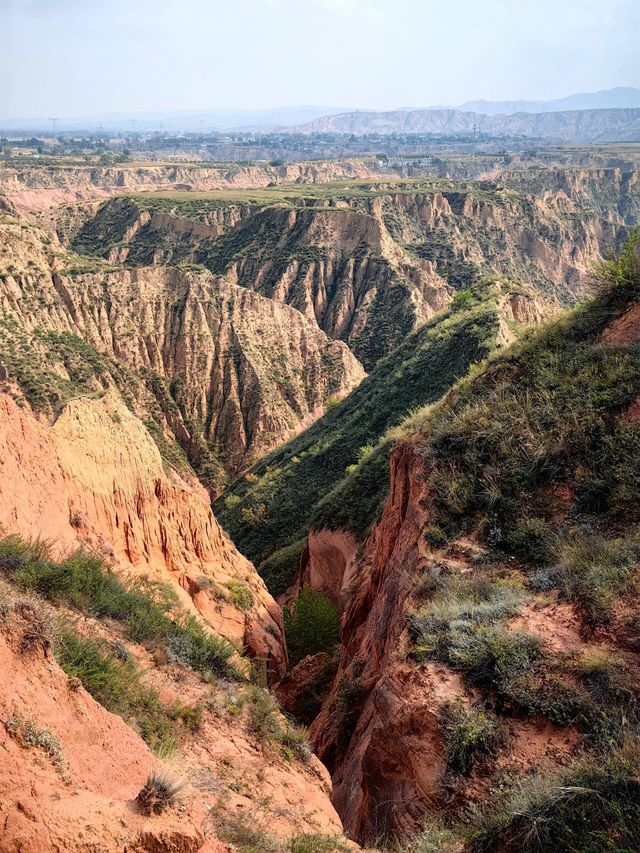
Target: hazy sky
x=78, y=57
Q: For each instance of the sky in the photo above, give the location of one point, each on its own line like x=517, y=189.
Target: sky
x=82, y=57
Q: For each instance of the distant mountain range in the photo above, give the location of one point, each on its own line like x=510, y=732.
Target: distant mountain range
x=606, y=115
x=604, y=125
x=622, y=97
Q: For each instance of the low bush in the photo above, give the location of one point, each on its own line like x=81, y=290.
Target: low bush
x=266, y=721
x=32, y=736
x=592, y=571
x=531, y=539
x=150, y=615
x=459, y=606
x=245, y=833
x=311, y=625
x=240, y=595
x=605, y=676
x=162, y=790
x=594, y=807
x=316, y=843
x=469, y=735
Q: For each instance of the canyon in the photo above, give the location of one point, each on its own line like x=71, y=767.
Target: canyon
x=409, y=405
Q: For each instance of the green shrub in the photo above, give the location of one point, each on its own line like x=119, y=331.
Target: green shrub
x=469, y=734
x=118, y=687
x=593, y=808
x=267, y=722
x=30, y=735
x=240, y=595
x=316, y=844
x=280, y=570
x=493, y=655
x=434, y=838
x=246, y=834
x=263, y=714
x=462, y=299
x=459, y=606
x=532, y=539
x=311, y=625
x=605, y=675
x=592, y=571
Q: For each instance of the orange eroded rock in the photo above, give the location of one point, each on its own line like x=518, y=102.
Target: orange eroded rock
x=95, y=479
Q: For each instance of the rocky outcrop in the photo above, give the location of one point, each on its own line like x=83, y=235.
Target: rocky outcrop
x=370, y=265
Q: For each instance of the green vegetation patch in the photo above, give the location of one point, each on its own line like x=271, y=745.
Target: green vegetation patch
x=546, y=412
x=311, y=625
x=470, y=734
x=150, y=615
x=117, y=685
x=591, y=808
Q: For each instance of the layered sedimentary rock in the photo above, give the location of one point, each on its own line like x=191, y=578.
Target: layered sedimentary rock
x=232, y=373
x=370, y=262
x=36, y=189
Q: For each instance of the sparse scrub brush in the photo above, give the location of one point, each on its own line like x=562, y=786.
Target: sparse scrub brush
x=162, y=790
x=470, y=734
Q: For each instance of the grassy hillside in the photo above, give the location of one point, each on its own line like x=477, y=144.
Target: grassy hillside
x=271, y=507
x=547, y=414
x=538, y=456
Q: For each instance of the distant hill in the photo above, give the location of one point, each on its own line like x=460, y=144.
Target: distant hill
x=596, y=125
x=622, y=97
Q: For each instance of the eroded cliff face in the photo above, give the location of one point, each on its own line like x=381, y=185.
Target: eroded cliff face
x=372, y=761
x=381, y=730
x=72, y=770
x=337, y=265
x=35, y=190
x=372, y=262
x=95, y=479
x=226, y=371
